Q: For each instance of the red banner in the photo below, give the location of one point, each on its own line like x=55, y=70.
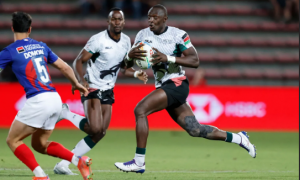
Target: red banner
x=226, y=107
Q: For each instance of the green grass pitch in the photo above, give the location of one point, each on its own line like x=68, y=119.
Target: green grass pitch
x=170, y=156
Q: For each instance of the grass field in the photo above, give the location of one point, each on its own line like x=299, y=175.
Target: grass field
x=171, y=156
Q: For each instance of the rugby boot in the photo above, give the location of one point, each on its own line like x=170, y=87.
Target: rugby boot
x=130, y=166
x=63, y=170
x=84, y=166
x=245, y=143
x=41, y=178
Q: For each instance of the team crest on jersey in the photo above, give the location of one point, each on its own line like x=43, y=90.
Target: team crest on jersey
x=20, y=49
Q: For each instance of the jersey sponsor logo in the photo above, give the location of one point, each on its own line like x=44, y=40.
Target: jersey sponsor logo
x=33, y=53
x=20, y=49
x=33, y=46
x=148, y=41
x=112, y=71
x=186, y=39
x=162, y=41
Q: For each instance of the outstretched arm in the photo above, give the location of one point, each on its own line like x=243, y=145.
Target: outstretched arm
x=68, y=72
x=190, y=58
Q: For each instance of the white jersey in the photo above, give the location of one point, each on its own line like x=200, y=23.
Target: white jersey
x=108, y=54
x=172, y=42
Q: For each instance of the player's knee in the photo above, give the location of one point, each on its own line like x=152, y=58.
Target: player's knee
x=94, y=130
x=9, y=141
x=41, y=148
x=139, y=111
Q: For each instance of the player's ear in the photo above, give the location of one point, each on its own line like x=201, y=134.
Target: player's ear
x=166, y=18
x=12, y=29
x=29, y=30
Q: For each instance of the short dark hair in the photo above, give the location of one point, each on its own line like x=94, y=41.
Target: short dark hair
x=115, y=9
x=21, y=22
x=163, y=8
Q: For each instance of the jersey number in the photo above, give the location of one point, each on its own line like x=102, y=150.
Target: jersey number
x=41, y=70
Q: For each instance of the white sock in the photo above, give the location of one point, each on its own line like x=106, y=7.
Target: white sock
x=75, y=160
x=139, y=159
x=80, y=149
x=236, y=138
x=38, y=172
x=74, y=118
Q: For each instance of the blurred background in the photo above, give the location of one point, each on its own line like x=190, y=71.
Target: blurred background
x=239, y=42
x=248, y=51
x=248, y=79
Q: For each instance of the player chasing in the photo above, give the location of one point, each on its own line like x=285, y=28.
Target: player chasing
x=104, y=54
x=28, y=59
x=172, y=88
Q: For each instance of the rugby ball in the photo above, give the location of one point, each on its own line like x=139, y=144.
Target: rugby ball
x=146, y=63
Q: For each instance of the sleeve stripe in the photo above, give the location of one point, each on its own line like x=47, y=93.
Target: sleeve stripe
x=184, y=36
x=187, y=39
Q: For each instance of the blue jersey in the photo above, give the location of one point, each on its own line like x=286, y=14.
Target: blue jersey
x=28, y=59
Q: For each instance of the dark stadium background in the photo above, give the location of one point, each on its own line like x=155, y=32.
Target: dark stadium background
x=248, y=78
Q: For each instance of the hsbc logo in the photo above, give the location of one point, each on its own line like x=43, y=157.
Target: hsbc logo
x=207, y=107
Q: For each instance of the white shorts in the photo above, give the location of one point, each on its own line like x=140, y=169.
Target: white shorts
x=41, y=111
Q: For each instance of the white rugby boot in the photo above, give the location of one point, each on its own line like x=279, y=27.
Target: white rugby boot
x=63, y=170
x=245, y=143
x=130, y=166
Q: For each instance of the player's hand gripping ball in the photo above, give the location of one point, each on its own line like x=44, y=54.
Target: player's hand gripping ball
x=146, y=62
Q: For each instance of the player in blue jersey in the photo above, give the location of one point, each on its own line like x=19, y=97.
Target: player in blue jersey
x=28, y=59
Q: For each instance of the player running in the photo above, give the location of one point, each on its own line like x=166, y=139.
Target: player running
x=28, y=59
x=104, y=54
x=172, y=87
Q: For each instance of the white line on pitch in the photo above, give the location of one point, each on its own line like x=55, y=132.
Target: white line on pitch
x=271, y=171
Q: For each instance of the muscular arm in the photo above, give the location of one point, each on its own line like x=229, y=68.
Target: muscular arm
x=83, y=57
x=127, y=71
x=190, y=58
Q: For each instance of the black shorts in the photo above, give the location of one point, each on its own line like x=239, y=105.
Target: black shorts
x=105, y=97
x=177, y=95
